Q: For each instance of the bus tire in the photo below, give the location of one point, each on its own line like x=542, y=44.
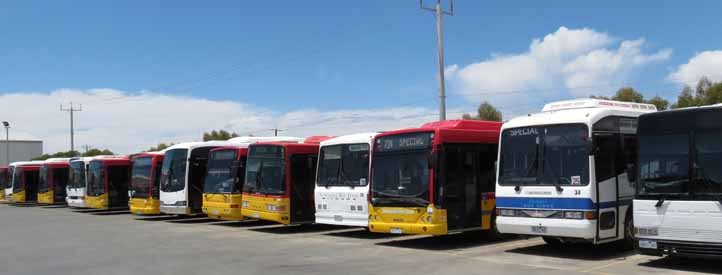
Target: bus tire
x=493, y=232
x=629, y=240
x=553, y=242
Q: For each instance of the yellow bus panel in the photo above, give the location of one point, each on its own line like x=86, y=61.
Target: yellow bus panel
x=19, y=196
x=47, y=197
x=97, y=202
x=408, y=220
x=149, y=206
x=223, y=206
x=265, y=208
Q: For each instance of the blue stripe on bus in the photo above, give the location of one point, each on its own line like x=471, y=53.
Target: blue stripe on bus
x=555, y=203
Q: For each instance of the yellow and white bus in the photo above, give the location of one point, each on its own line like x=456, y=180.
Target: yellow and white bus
x=145, y=183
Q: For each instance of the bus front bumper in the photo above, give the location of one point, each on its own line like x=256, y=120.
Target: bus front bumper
x=75, y=202
x=144, y=206
x=409, y=228
x=175, y=210
x=346, y=219
x=97, y=202
x=223, y=211
x=566, y=228
x=657, y=247
x=279, y=217
x=46, y=198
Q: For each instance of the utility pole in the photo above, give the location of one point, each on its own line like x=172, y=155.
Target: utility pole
x=86, y=148
x=275, y=131
x=440, y=43
x=7, y=143
x=72, y=110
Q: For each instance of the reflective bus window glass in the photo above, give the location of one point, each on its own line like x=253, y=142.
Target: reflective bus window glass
x=140, y=179
x=664, y=164
x=173, y=174
x=708, y=163
x=220, y=176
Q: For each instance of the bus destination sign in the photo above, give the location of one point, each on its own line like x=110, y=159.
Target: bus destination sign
x=404, y=142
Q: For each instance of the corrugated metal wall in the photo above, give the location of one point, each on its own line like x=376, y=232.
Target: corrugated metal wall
x=21, y=150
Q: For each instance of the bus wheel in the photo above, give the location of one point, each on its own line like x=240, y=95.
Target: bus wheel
x=629, y=241
x=493, y=232
x=553, y=242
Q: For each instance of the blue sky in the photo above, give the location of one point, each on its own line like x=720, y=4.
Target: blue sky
x=285, y=56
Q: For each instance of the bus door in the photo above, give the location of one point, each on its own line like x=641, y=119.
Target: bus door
x=607, y=184
x=303, y=175
x=196, y=177
x=59, y=178
x=118, y=181
x=31, y=179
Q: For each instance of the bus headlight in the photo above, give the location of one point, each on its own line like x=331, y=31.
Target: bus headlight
x=577, y=215
x=644, y=231
x=244, y=204
x=180, y=203
x=507, y=212
x=275, y=208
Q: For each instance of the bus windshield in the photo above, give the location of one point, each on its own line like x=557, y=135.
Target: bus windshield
x=3, y=179
x=44, y=181
x=708, y=161
x=222, y=171
x=77, y=174
x=265, y=171
x=18, y=180
x=344, y=165
x=173, y=173
x=664, y=164
x=140, y=179
x=96, y=179
x=545, y=155
x=11, y=174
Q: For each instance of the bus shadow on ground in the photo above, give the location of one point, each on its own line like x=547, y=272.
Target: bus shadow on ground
x=194, y=220
x=249, y=224
x=362, y=233
x=112, y=212
x=26, y=204
x=162, y=217
x=98, y=211
x=676, y=264
x=298, y=229
x=54, y=206
x=448, y=242
x=580, y=251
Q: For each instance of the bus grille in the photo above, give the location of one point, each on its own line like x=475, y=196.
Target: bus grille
x=690, y=248
x=687, y=234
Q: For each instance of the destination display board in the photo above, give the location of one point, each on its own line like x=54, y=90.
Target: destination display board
x=414, y=141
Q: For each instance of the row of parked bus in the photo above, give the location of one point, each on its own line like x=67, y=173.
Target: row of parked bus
x=586, y=170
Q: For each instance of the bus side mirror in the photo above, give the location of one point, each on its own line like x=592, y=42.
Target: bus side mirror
x=632, y=173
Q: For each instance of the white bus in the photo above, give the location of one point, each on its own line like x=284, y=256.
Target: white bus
x=341, y=191
x=562, y=173
x=77, y=182
x=11, y=177
x=678, y=206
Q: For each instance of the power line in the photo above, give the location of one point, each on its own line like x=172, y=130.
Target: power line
x=71, y=110
x=440, y=46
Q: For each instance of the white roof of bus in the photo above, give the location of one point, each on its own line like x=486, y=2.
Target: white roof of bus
x=249, y=139
x=83, y=159
x=238, y=141
x=21, y=163
x=53, y=160
x=350, y=139
x=109, y=157
x=587, y=111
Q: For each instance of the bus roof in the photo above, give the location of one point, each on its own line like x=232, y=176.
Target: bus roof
x=24, y=163
x=682, y=120
x=586, y=111
x=350, y=139
x=459, y=130
x=250, y=139
x=83, y=159
x=55, y=160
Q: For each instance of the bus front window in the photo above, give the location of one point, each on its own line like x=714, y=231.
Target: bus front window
x=401, y=179
x=221, y=176
x=96, y=180
x=44, y=181
x=3, y=179
x=140, y=179
x=545, y=155
x=18, y=180
x=77, y=174
x=173, y=173
x=663, y=164
x=265, y=171
x=708, y=160
x=344, y=165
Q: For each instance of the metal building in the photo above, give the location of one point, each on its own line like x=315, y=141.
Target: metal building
x=20, y=150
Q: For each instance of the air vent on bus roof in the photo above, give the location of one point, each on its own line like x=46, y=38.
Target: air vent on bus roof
x=598, y=103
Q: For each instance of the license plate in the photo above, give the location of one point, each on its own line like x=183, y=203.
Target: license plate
x=396, y=231
x=338, y=218
x=539, y=229
x=215, y=212
x=649, y=244
x=256, y=215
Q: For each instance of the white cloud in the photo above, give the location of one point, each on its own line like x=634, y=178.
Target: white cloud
x=128, y=122
x=707, y=63
x=576, y=62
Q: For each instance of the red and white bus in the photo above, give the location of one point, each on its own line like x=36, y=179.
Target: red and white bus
x=279, y=181
x=108, y=182
x=25, y=181
x=145, y=183
x=435, y=179
x=54, y=174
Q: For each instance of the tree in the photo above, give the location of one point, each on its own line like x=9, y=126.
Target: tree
x=661, y=103
x=97, y=152
x=685, y=98
x=67, y=154
x=160, y=147
x=628, y=94
x=218, y=135
x=702, y=86
x=486, y=111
